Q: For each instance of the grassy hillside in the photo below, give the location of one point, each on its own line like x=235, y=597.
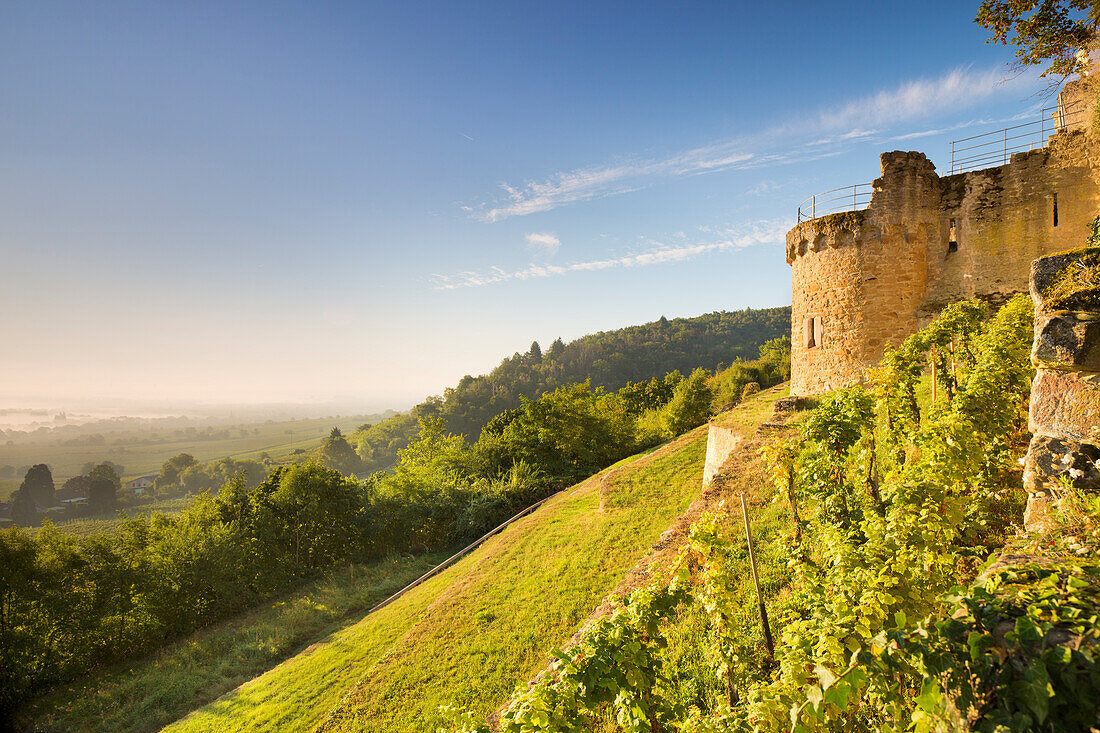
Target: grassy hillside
x=149, y=693
x=872, y=524
x=470, y=635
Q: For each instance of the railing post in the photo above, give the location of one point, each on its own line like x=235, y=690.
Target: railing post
x=952, y=158
x=1005, y=158
x=854, y=196
x=813, y=207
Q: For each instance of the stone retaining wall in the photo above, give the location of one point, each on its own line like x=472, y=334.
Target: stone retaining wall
x=721, y=442
x=1064, y=414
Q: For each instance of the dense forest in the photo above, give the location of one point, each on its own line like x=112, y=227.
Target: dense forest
x=608, y=360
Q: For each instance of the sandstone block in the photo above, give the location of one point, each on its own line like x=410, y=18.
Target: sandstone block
x=1067, y=340
x=1038, y=516
x=1052, y=463
x=1066, y=405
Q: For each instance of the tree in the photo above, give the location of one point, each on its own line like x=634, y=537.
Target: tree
x=90, y=465
x=104, y=484
x=23, y=509
x=534, y=354
x=570, y=432
x=690, y=404
x=1050, y=32
x=18, y=575
x=314, y=515
x=78, y=485
x=776, y=355
x=169, y=476
x=337, y=454
x=38, y=485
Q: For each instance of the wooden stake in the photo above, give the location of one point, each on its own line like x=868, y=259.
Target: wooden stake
x=768, y=644
x=933, y=377
x=954, y=379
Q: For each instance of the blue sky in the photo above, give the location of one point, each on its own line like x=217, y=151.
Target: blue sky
x=362, y=202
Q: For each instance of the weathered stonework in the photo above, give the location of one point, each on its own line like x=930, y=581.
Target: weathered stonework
x=1064, y=413
x=721, y=442
x=863, y=281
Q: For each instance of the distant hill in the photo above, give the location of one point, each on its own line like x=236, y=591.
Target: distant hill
x=609, y=359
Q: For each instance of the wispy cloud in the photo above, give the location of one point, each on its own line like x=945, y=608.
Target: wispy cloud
x=548, y=244
x=800, y=140
x=709, y=239
x=590, y=183
x=957, y=89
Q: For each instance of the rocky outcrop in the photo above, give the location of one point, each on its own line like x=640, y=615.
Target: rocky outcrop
x=1065, y=397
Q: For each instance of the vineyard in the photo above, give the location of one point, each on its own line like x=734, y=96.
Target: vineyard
x=879, y=519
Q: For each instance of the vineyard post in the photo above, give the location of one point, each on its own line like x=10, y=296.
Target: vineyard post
x=768, y=644
x=933, y=376
x=954, y=379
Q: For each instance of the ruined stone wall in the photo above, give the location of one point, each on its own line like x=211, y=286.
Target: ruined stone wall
x=1005, y=218
x=874, y=277
x=1064, y=414
x=721, y=442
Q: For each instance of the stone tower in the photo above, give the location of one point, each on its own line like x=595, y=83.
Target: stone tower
x=865, y=280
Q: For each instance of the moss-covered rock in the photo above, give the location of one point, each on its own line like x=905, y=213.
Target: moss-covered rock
x=1068, y=281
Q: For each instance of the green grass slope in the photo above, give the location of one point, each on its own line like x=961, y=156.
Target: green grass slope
x=146, y=694
x=470, y=635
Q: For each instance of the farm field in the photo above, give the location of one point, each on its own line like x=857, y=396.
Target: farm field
x=88, y=526
x=470, y=635
x=143, y=451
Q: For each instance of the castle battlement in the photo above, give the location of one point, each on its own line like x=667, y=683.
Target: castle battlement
x=865, y=280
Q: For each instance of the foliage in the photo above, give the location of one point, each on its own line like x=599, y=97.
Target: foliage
x=1049, y=32
x=147, y=694
x=38, y=485
x=1093, y=239
x=103, y=486
x=183, y=474
x=690, y=404
x=570, y=432
x=336, y=453
x=1014, y=653
x=169, y=478
x=884, y=499
x=772, y=367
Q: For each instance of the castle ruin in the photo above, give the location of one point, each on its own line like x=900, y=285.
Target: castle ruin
x=865, y=280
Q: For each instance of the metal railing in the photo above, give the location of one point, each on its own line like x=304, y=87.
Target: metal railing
x=845, y=198
x=995, y=148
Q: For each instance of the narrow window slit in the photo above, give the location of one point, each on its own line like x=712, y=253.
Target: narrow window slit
x=1055, y=209
x=952, y=239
